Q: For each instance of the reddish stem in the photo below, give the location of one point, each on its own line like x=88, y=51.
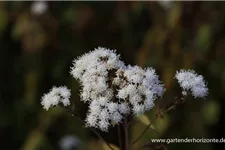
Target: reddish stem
x=126, y=134
x=119, y=136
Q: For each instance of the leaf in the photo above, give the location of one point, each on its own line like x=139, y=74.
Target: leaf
x=144, y=119
x=162, y=124
x=106, y=147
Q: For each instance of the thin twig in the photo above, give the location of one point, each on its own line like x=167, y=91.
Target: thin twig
x=99, y=136
x=93, y=130
x=168, y=109
x=178, y=101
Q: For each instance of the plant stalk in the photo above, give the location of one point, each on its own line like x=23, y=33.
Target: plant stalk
x=119, y=136
x=126, y=134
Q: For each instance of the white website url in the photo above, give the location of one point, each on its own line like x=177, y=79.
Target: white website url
x=188, y=140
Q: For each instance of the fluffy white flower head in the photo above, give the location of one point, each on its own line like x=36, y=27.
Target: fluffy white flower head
x=94, y=71
x=39, y=7
x=55, y=96
x=141, y=87
x=102, y=115
x=113, y=89
x=191, y=81
x=99, y=61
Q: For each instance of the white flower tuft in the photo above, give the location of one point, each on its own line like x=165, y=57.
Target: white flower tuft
x=191, y=81
x=97, y=62
x=113, y=89
x=141, y=89
x=103, y=113
x=92, y=70
x=39, y=7
x=55, y=96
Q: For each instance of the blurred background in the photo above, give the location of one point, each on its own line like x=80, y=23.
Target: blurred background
x=39, y=40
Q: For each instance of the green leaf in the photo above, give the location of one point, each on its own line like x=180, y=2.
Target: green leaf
x=106, y=147
x=162, y=124
x=144, y=119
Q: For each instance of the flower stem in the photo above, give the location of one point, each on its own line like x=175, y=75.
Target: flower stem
x=119, y=136
x=126, y=134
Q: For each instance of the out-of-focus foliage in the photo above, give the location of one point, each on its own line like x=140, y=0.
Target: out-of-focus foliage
x=37, y=50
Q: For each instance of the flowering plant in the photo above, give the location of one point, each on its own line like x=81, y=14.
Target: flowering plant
x=115, y=93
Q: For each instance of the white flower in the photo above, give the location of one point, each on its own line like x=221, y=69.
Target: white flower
x=102, y=113
x=39, y=7
x=136, y=98
x=95, y=62
x=141, y=89
x=116, y=117
x=113, y=89
x=122, y=93
x=124, y=108
x=91, y=120
x=138, y=109
x=113, y=107
x=69, y=142
x=151, y=81
x=166, y=4
x=55, y=96
x=95, y=108
x=134, y=74
x=191, y=81
x=104, y=125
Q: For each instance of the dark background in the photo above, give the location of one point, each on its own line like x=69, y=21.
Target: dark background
x=37, y=49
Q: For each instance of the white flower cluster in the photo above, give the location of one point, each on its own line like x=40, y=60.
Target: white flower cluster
x=113, y=89
x=103, y=113
x=92, y=71
x=191, y=81
x=55, y=96
x=139, y=87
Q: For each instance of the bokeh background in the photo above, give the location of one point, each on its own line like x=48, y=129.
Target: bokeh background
x=39, y=40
